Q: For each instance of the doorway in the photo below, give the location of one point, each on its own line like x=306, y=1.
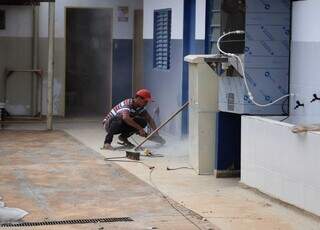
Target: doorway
x=88, y=61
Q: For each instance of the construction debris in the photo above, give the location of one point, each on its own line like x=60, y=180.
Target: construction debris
x=11, y=214
x=147, y=152
x=306, y=128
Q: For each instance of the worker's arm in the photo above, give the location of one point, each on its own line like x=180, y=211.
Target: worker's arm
x=155, y=137
x=150, y=120
x=129, y=120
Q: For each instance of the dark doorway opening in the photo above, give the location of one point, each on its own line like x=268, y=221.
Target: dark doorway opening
x=88, y=61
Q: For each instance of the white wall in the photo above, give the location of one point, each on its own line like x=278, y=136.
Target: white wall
x=288, y=168
x=200, y=19
x=18, y=21
x=121, y=30
x=304, y=16
x=305, y=56
x=176, y=18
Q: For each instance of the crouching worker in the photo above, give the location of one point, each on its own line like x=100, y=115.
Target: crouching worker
x=127, y=118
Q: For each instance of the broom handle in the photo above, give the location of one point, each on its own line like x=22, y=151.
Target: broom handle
x=163, y=124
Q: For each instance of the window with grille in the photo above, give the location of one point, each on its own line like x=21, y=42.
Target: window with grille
x=162, y=39
x=225, y=16
x=213, y=25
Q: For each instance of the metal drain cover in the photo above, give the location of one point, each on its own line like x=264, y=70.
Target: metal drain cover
x=60, y=222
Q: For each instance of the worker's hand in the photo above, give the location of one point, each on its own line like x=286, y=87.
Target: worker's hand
x=142, y=133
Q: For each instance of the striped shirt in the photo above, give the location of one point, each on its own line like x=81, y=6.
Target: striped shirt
x=119, y=109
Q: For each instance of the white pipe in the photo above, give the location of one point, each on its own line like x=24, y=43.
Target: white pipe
x=50, y=65
x=251, y=97
x=35, y=80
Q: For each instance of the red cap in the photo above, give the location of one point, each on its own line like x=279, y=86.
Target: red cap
x=144, y=94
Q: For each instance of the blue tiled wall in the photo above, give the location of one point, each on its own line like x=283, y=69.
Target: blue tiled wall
x=267, y=51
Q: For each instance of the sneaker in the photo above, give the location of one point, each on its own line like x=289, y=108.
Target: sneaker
x=125, y=141
x=107, y=147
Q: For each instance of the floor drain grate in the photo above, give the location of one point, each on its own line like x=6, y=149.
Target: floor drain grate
x=79, y=221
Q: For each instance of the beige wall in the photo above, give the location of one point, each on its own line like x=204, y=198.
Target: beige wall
x=16, y=50
x=16, y=53
x=59, y=74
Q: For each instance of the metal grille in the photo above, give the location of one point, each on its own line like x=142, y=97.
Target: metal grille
x=213, y=25
x=162, y=38
x=60, y=222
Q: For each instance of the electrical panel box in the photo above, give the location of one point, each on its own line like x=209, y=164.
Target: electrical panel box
x=2, y=20
x=265, y=51
x=203, y=108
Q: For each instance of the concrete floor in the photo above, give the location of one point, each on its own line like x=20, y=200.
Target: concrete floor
x=54, y=177
x=223, y=202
